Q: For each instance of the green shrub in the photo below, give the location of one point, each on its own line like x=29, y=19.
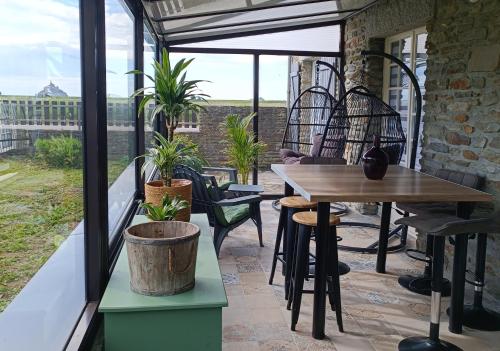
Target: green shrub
x=62, y=152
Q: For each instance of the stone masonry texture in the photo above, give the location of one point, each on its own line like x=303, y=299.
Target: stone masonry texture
x=462, y=105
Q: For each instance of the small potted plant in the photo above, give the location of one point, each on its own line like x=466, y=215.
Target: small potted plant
x=242, y=149
x=162, y=253
x=166, y=211
x=165, y=156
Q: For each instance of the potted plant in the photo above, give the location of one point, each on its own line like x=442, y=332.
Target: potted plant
x=165, y=156
x=173, y=94
x=242, y=149
x=162, y=253
x=166, y=211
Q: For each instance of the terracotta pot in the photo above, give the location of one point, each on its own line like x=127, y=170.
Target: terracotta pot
x=375, y=161
x=155, y=190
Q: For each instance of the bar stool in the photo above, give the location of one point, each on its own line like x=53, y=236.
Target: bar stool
x=421, y=284
x=476, y=316
x=440, y=228
x=289, y=206
x=306, y=223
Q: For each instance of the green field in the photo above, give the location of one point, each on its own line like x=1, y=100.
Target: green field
x=39, y=207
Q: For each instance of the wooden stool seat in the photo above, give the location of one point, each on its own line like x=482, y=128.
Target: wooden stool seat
x=297, y=202
x=310, y=218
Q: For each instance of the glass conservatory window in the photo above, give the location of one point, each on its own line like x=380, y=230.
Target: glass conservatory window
x=121, y=111
x=42, y=277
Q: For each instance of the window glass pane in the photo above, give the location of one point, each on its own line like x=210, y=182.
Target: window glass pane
x=393, y=82
x=121, y=113
x=406, y=48
x=273, y=81
x=395, y=48
x=229, y=84
x=42, y=277
x=149, y=57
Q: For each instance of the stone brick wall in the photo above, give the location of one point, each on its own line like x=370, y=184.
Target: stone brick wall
x=367, y=31
x=462, y=106
x=211, y=136
x=462, y=110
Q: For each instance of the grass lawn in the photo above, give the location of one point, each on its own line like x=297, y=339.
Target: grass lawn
x=39, y=207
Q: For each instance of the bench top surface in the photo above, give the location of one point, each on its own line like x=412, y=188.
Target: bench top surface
x=208, y=291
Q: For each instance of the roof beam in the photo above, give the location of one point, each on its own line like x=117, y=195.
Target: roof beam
x=232, y=11
x=267, y=20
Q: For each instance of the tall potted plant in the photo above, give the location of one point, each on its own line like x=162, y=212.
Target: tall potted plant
x=173, y=94
x=242, y=149
x=165, y=156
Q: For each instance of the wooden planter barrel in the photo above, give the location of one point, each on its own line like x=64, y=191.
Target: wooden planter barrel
x=155, y=190
x=162, y=257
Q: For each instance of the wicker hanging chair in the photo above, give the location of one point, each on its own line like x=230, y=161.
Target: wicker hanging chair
x=361, y=115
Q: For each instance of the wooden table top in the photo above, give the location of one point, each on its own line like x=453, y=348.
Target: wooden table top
x=331, y=183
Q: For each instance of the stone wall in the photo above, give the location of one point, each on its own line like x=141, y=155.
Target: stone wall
x=211, y=135
x=367, y=31
x=462, y=108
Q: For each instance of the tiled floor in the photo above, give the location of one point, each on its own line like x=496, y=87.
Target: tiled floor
x=378, y=313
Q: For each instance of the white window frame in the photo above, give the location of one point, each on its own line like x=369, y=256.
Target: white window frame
x=386, y=84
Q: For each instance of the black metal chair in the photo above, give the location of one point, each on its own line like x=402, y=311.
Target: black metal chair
x=421, y=284
x=224, y=211
x=441, y=227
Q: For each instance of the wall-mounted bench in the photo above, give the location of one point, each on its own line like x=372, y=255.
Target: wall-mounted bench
x=187, y=321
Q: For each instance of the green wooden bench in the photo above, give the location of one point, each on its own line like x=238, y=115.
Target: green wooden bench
x=187, y=321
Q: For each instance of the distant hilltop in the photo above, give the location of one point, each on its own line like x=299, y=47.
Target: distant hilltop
x=51, y=90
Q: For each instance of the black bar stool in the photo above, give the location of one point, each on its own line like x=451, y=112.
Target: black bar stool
x=440, y=228
x=476, y=316
x=289, y=206
x=306, y=222
x=421, y=284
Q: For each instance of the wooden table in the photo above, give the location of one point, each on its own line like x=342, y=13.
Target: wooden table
x=339, y=183
x=188, y=321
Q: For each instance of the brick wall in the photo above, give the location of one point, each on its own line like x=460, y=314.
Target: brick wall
x=462, y=108
x=211, y=136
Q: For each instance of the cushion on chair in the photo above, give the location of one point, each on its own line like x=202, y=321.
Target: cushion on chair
x=290, y=157
x=227, y=215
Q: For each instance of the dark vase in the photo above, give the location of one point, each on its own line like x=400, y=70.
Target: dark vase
x=375, y=161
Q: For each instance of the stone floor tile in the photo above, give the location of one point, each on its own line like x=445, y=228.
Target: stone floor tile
x=377, y=312
x=238, y=332
x=277, y=345
x=240, y=346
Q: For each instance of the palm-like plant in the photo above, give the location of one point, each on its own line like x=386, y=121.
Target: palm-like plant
x=168, y=154
x=173, y=94
x=167, y=210
x=242, y=149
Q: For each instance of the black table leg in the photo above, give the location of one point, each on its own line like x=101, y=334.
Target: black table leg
x=383, y=236
x=288, y=190
x=458, y=275
x=320, y=273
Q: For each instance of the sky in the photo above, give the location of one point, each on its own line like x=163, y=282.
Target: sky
x=44, y=46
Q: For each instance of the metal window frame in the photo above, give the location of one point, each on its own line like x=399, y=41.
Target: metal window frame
x=100, y=254
x=233, y=11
